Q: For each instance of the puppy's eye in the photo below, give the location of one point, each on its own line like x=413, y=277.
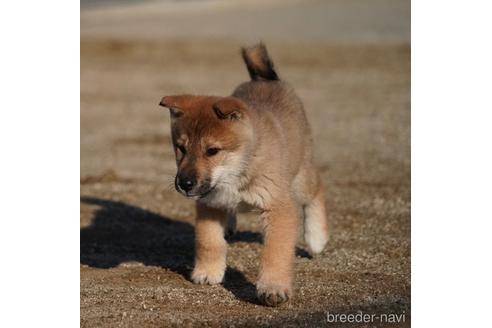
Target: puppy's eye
x=181, y=149
x=212, y=151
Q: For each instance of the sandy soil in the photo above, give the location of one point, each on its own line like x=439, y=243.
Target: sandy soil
x=137, y=232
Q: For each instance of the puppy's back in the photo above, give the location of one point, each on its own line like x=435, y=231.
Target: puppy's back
x=279, y=111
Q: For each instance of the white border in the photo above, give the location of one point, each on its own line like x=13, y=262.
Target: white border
x=39, y=170
x=451, y=163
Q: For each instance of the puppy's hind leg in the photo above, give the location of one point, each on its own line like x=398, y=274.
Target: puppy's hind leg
x=315, y=223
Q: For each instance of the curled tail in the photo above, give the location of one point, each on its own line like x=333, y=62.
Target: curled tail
x=259, y=64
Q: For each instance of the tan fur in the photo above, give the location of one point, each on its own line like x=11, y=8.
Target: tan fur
x=265, y=160
x=211, y=247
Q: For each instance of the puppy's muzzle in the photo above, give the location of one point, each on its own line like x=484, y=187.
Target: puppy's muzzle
x=191, y=187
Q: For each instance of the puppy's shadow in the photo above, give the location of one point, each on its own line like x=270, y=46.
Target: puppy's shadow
x=124, y=233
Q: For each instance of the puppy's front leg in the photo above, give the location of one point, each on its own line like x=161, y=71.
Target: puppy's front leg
x=274, y=285
x=210, y=245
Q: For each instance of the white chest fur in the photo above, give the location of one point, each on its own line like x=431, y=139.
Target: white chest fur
x=228, y=196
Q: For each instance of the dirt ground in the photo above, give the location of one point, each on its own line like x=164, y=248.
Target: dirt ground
x=136, y=249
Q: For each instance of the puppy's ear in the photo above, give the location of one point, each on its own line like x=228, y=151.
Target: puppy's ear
x=230, y=108
x=176, y=104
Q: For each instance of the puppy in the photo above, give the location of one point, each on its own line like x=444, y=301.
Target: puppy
x=253, y=147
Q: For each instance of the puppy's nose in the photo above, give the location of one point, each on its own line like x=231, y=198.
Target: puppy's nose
x=186, y=183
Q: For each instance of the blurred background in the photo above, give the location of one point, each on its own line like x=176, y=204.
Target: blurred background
x=349, y=61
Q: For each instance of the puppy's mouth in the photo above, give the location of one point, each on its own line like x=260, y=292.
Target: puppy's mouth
x=200, y=192
x=197, y=195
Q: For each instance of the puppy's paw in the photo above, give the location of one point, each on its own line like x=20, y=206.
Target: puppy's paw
x=273, y=294
x=204, y=276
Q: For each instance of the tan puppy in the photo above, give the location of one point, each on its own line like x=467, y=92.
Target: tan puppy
x=253, y=147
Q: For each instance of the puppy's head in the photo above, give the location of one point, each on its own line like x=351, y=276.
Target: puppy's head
x=212, y=139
